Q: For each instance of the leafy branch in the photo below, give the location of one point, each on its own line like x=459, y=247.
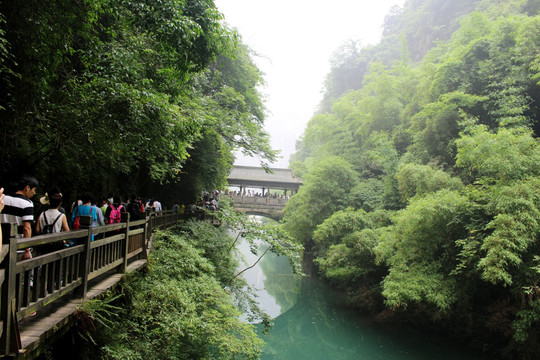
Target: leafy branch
x=254, y=232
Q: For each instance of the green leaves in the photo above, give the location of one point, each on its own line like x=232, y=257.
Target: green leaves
x=325, y=190
x=341, y=224
x=179, y=309
x=422, y=179
x=353, y=260
x=445, y=146
x=507, y=155
x=425, y=253
x=127, y=90
x=514, y=229
x=271, y=236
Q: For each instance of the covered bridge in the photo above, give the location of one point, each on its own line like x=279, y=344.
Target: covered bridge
x=257, y=177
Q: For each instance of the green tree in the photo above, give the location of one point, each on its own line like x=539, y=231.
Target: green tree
x=436, y=127
x=505, y=164
x=182, y=307
x=419, y=180
x=335, y=228
x=421, y=253
x=448, y=141
x=504, y=156
x=123, y=92
x=352, y=260
x=508, y=250
x=368, y=194
x=344, y=245
x=326, y=189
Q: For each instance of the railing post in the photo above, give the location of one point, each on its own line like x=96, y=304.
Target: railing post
x=86, y=256
x=146, y=229
x=145, y=239
x=125, y=219
x=10, y=340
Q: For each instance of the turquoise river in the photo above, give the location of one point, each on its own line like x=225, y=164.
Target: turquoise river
x=312, y=322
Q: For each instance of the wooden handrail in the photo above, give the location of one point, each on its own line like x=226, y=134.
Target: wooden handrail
x=33, y=284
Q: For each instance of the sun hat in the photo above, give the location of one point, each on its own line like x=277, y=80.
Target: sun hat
x=44, y=199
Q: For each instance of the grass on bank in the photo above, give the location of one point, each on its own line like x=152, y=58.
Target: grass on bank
x=182, y=307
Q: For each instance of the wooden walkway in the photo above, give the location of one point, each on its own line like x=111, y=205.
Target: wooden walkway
x=40, y=297
x=50, y=323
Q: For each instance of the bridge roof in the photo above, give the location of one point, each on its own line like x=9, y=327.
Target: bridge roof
x=258, y=177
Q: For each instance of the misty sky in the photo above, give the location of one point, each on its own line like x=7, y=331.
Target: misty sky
x=295, y=40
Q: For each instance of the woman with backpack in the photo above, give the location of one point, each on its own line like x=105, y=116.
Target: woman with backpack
x=113, y=214
x=50, y=221
x=86, y=209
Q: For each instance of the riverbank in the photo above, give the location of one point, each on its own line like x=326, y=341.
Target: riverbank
x=313, y=320
x=482, y=335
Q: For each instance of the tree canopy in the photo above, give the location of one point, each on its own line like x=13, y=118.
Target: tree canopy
x=114, y=96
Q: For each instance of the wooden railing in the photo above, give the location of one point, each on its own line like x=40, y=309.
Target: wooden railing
x=258, y=200
x=33, y=284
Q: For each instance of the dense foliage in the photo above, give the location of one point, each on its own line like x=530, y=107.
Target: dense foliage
x=421, y=177
x=182, y=307
x=125, y=96
x=189, y=300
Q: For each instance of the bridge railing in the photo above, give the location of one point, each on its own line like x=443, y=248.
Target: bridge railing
x=33, y=284
x=258, y=200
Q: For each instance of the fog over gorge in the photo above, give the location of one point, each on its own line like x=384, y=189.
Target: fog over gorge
x=293, y=43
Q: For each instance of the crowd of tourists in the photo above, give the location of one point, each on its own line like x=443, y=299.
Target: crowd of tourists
x=250, y=193
x=50, y=216
x=209, y=200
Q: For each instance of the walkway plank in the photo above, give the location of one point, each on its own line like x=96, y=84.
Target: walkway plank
x=55, y=314
x=53, y=321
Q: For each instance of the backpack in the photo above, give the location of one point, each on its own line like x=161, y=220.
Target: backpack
x=49, y=228
x=134, y=209
x=115, y=216
x=77, y=221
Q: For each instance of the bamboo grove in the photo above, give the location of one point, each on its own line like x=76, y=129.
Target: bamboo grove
x=421, y=172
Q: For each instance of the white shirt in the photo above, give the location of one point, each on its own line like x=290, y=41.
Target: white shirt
x=51, y=215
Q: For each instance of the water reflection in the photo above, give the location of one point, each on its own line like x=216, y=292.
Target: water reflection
x=319, y=326
x=274, y=283
x=311, y=321
x=280, y=282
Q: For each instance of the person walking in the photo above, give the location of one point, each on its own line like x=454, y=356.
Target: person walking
x=51, y=221
x=19, y=209
x=2, y=196
x=53, y=216
x=157, y=207
x=85, y=209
